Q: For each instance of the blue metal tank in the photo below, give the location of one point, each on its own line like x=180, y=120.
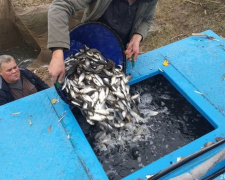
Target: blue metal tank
x=42, y=140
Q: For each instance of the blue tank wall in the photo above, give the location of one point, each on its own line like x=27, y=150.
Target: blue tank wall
x=34, y=144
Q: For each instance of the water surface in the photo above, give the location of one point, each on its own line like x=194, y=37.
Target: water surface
x=177, y=124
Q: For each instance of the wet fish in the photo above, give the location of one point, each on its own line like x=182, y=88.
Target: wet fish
x=99, y=88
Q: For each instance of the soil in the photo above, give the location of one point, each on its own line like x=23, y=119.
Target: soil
x=177, y=19
x=174, y=20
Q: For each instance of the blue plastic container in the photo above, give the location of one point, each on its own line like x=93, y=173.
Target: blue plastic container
x=98, y=36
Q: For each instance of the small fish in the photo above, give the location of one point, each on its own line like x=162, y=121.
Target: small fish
x=87, y=98
x=76, y=103
x=102, y=112
x=137, y=117
x=99, y=68
x=102, y=95
x=119, y=94
x=61, y=118
x=95, y=96
x=87, y=90
x=198, y=92
x=97, y=82
x=72, y=93
x=160, y=70
x=152, y=113
x=64, y=84
x=121, y=105
x=81, y=78
x=97, y=117
x=14, y=114
x=105, y=126
x=99, y=79
x=108, y=73
x=75, y=89
x=87, y=63
x=110, y=97
x=127, y=78
x=85, y=105
x=119, y=125
x=136, y=97
x=90, y=122
x=110, y=118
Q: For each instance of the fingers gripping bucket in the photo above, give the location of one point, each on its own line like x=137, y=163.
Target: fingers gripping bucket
x=97, y=36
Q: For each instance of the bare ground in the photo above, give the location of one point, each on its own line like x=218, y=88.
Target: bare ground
x=178, y=19
x=174, y=20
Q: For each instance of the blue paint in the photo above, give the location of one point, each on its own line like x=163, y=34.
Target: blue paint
x=197, y=64
x=39, y=152
x=36, y=151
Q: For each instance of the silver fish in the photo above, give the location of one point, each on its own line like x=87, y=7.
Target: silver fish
x=81, y=78
x=119, y=94
x=97, y=117
x=99, y=88
x=87, y=90
x=102, y=95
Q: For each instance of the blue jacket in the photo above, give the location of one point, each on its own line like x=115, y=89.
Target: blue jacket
x=5, y=93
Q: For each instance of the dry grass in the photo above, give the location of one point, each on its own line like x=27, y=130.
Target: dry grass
x=178, y=19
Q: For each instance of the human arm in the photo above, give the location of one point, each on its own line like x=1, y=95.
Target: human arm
x=58, y=19
x=141, y=27
x=58, y=32
x=57, y=67
x=133, y=47
x=145, y=19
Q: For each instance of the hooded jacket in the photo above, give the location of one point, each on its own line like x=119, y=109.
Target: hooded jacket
x=5, y=93
x=60, y=11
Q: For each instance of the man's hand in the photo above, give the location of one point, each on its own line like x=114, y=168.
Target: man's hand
x=57, y=67
x=133, y=47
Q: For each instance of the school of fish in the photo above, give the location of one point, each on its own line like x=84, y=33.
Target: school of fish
x=100, y=89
